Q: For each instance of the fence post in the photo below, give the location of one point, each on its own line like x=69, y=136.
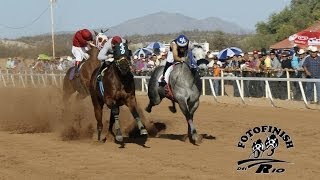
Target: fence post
x=242, y=84
x=288, y=85
x=303, y=95
x=54, y=79
x=240, y=92
x=222, y=83
x=212, y=90
x=12, y=79
x=315, y=92
x=4, y=80
x=145, y=84
x=22, y=81
x=32, y=80
x=142, y=85
x=43, y=80
x=269, y=92
x=203, y=87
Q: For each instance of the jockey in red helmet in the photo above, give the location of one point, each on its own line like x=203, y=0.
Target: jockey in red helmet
x=107, y=51
x=81, y=39
x=178, y=51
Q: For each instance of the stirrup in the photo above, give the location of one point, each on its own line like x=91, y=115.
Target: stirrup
x=99, y=77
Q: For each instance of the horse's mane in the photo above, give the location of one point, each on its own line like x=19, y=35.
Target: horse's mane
x=92, y=51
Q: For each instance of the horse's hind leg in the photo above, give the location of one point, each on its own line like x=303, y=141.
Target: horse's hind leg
x=111, y=123
x=195, y=137
x=115, y=112
x=132, y=105
x=192, y=132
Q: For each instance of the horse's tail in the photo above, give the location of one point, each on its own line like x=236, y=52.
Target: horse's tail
x=153, y=84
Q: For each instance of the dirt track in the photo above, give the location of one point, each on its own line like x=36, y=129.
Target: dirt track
x=33, y=126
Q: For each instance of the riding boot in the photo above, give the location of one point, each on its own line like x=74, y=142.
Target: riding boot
x=163, y=82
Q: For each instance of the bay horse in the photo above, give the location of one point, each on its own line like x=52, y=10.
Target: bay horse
x=184, y=85
x=81, y=83
x=115, y=89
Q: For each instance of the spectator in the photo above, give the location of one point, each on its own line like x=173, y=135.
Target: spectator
x=8, y=64
x=216, y=73
x=285, y=61
x=312, y=69
x=302, y=57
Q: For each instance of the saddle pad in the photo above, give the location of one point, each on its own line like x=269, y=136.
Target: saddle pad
x=167, y=74
x=72, y=72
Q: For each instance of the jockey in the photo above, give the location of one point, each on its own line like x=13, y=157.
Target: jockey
x=178, y=51
x=106, y=53
x=79, y=46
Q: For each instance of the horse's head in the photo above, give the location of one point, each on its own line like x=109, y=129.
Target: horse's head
x=100, y=39
x=198, y=56
x=121, y=56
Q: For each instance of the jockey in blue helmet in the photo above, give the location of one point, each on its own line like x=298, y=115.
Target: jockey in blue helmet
x=178, y=51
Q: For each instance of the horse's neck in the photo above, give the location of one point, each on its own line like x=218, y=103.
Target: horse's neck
x=123, y=79
x=94, y=53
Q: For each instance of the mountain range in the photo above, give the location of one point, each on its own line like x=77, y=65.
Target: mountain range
x=164, y=22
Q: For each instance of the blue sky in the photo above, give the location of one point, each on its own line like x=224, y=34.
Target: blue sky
x=70, y=15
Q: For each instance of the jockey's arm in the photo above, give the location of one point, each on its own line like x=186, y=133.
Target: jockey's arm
x=175, y=53
x=103, y=52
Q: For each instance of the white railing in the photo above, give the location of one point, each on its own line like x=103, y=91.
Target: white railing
x=51, y=79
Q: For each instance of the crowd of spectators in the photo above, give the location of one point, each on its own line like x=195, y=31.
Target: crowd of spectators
x=287, y=63
x=38, y=66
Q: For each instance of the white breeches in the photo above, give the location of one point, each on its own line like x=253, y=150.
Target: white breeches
x=79, y=53
x=170, y=57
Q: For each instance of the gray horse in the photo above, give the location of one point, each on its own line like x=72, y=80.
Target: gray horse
x=185, y=84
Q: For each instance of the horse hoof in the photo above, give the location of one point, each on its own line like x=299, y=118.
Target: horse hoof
x=172, y=109
x=119, y=138
x=143, y=132
x=104, y=140
x=196, y=139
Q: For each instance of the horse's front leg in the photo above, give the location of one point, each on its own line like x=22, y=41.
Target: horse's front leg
x=132, y=105
x=98, y=114
x=115, y=113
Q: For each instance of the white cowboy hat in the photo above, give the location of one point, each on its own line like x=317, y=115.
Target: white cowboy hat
x=313, y=49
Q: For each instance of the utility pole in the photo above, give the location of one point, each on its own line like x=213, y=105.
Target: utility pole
x=52, y=30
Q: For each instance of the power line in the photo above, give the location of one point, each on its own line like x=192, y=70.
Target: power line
x=27, y=25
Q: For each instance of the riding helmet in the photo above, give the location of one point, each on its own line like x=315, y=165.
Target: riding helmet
x=116, y=39
x=86, y=34
x=182, y=40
